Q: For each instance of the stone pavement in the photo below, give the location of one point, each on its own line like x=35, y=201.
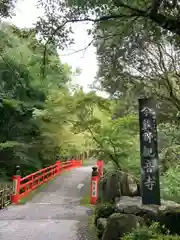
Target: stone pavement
x=53, y=214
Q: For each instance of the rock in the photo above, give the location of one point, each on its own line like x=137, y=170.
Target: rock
x=101, y=190
x=105, y=191
x=101, y=225
x=119, y=224
x=112, y=192
x=167, y=214
x=132, y=205
x=128, y=184
x=123, y=185
x=103, y=211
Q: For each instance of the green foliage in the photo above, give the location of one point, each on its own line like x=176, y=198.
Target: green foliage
x=169, y=184
x=139, y=17
x=113, y=140
x=145, y=233
x=136, y=54
x=33, y=110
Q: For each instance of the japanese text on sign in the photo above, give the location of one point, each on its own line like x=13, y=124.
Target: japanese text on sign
x=150, y=182
x=146, y=124
x=148, y=111
x=14, y=190
x=148, y=136
x=94, y=188
x=149, y=167
x=149, y=152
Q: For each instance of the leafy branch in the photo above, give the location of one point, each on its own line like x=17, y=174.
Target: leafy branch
x=114, y=159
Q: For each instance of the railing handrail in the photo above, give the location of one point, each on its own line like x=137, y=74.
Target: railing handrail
x=39, y=171
x=46, y=168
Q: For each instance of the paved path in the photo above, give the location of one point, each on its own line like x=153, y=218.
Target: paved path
x=53, y=214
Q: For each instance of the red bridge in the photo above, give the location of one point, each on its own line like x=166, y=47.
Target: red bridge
x=25, y=185
x=54, y=212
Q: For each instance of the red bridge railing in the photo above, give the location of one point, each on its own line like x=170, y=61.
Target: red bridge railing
x=23, y=186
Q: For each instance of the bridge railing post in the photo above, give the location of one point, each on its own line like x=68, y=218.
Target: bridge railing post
x=73, y=161
x=100, y=165
x=16, y=185
x=58, y=164
x=94, y=185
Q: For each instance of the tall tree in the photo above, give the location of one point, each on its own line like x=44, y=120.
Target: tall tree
x=162, y=15
x=129, y=69
x=23, y=140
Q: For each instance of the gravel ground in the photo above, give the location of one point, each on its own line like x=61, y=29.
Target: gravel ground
x=54, y=213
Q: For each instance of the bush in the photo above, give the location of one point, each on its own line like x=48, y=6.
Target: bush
x=153, y=232
x=170, y=189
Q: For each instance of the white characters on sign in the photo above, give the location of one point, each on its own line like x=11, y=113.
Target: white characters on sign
x=147, y=152
x=149, y=166
x=147, y=137
x=149, y=183
x=94, y=188
x=14, y=190
x=146, y=124
x=146, y=111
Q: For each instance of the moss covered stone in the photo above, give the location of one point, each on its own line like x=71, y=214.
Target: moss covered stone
x=123, y=185
x=168, y=214
x=118, y=224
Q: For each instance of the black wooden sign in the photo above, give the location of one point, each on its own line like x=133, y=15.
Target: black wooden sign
x=150, y=186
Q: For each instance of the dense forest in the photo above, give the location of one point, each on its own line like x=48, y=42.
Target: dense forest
x=36, y=113
x=43, y=114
